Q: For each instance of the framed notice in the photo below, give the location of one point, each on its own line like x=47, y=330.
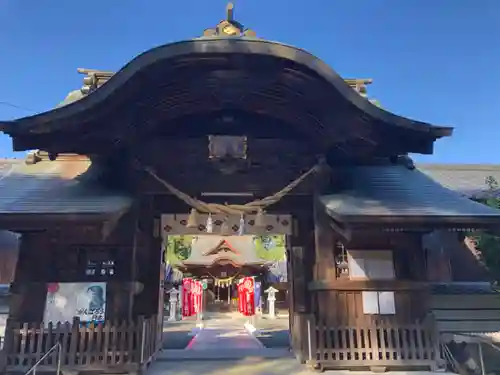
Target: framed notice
x=66, y=301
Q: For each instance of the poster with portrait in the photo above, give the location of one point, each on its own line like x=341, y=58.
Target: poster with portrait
x=65, y=301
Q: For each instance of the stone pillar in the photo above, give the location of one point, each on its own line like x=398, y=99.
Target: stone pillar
x=271, y=300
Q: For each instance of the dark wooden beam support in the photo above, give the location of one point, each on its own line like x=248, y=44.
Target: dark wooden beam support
x=324, y=267
x=367, y=285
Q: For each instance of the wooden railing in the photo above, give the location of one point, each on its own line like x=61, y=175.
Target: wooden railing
x=342, y=335
x=371, y=345
x=121, y=345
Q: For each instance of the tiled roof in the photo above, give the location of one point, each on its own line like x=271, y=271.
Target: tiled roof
x=53, y=187
x=468, y=179
x=202, y=250
x=396, y=191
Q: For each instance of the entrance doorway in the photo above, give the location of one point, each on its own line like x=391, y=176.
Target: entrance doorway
x=221, y=262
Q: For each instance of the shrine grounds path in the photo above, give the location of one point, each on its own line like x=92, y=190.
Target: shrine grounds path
x=272, y=333
x=218, y=353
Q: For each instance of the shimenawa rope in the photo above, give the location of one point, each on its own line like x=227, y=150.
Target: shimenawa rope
x=230, y=209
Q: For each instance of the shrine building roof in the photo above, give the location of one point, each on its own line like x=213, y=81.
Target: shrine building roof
x=467, y=179
x=229, y=67
x=63, y=187
x=208, y=250
x=396, y=194
x=54, y=188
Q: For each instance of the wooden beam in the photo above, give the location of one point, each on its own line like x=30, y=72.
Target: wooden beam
x=366, y=285
x=461, y=326
x=458, y=301
x=466, y=313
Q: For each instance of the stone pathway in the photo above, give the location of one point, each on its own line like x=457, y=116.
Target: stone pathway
x=224, y=347
x=223, y=339
x=223, y=336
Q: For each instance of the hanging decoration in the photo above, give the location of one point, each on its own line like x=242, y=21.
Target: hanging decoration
x=210, y=223
x=341, y=259
x=241, y=228
x=253, y=207
x=224, y=229
x=192, y=219
x=260, y=219
x=224, y=283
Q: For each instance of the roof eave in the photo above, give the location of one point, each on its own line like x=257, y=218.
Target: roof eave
x=451, y=221
x=32, y=124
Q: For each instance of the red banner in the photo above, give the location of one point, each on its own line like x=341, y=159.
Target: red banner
x=197, y=292
x=250, y=296
x=187, y=306
x=246, y=296
x=241, y=297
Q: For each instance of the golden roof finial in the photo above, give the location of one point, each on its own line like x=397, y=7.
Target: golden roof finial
x=230, y=12
x=229, y=26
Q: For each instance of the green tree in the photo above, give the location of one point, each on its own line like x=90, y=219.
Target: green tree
x=270, y=248
x=178, y=248
x=487, y=243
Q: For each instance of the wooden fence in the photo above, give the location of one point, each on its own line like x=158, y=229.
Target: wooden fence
x=374, y=345
x=120, y=345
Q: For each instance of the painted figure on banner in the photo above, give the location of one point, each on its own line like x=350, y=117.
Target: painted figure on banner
x=250, y=296
x=96, y=295
x=187, y=309
x=196, y=294
x=241, y=296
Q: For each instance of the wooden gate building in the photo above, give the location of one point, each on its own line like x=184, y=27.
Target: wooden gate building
x=232, y=127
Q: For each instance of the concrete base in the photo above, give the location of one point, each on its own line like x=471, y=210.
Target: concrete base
x=249, y=365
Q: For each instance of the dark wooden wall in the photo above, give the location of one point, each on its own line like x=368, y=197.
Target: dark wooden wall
x=271, y=165
x=344, y=296
x=9, y=250
x=59, y=254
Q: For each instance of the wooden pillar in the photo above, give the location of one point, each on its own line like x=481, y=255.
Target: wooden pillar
x=324, y=243
x=28, y=290
x=301, y=261
x=148, y=260
x=436, y=245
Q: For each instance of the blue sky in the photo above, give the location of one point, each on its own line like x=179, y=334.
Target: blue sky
x=432, y=60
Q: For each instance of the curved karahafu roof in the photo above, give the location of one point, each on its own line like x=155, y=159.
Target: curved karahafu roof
x=229, y=70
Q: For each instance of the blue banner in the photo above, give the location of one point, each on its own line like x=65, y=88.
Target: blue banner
x=258, y=293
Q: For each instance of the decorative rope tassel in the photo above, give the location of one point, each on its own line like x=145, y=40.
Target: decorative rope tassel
x=241, y=228
x=260, y=219
x=192, y=219
x=224, y=230
x=210, y=224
